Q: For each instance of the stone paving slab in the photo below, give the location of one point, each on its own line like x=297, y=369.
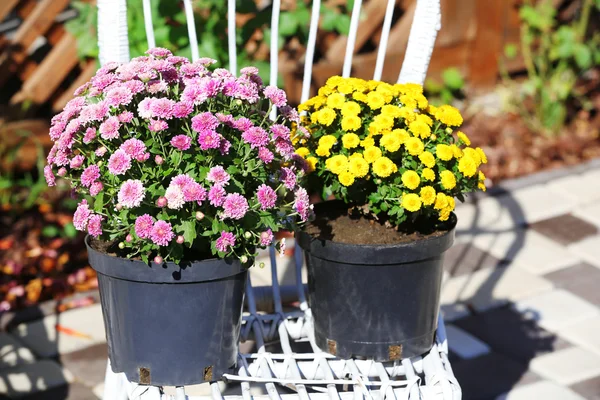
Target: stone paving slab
x=24, y=380
x=13, y=353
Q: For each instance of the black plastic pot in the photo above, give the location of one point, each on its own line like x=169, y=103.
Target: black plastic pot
x=375, y=301
x=170, y=325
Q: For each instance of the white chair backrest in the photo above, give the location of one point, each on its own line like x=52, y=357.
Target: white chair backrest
x=113, y=40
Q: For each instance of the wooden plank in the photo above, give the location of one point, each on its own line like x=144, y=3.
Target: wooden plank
x=458, y=22
x=51, y=72
x=487, y=45
x=55, y=33
x=372, y=15
x=86, y=74
x=6, y=6
x=27, y=156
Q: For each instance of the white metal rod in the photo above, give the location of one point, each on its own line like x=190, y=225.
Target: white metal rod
x=423, y=32
x=113, y=42
x=310, y=52
x=231, y=37
x=385, y=34
x=351, y=38
x=274, y=49
x=148, y=24
x=191, y=25
x=275, y=281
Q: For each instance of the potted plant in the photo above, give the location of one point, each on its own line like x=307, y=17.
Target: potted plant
x=394, y=165
x=182, y=176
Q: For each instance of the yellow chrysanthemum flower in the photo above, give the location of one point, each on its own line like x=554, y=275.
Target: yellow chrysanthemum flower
x=448, y=180
x=358, y=166
x=345, y=88
x=334, y=81
x=444, y=152
x=441, y=201
x=391, y=141
x=482, y=155
x=408, y=101
x=346, y=178
x=444, y=215
x=402, y=134
x=427, y=195
x=337, y=164
x=325, y=91
x=391, y=110
x=463, y=138
x=414, y=146
x=422, y=102
x=411, y=202
x=408, y=114
x=323, y=151
x=375, y=100
x=327, y=141
x=448, y=115
x=386, y=90
x=425, y=118
x=326, y=116
x=336, y=100
x=351, y=108
x=351, y=122
x=481, y=176
x=359, y=96
x=420, y=129
x=456, y=151
x=428, y=174
x=384, y=167
x=474, y=154
x=481, y=186
x=427, y=159
x=312, y=163
x=372, y=154
x=467, y=166
x=302, y=151
x=384, y=121
x=367, y=142
x=411, y=179
x=356, y=155
x=350, y=140
x=451, y=203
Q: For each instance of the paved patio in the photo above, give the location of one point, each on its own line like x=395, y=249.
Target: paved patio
x=520, y=299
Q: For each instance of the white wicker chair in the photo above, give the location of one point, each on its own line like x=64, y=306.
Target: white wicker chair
x=314, y=375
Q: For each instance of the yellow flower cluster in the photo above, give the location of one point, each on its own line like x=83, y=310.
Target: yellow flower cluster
x=365, y=132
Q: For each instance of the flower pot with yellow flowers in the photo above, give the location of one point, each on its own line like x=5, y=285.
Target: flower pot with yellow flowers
x=389, y=166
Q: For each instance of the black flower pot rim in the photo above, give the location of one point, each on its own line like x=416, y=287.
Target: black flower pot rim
x=167, y=272
x=375, y=254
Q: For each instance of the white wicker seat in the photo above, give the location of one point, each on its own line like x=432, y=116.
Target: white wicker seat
x=289, y=372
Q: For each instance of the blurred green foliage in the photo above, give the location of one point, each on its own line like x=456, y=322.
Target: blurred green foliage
x=556, y=56
x=170, y=29
x=450, y=89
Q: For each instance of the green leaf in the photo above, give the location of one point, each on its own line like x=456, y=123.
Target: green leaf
x=50, y=231
x=583, y=56
x=70, y=230
x=453, y=79
x=189, y=230
x=288, y=23
x=99, y=202
x=342, y=24
x=328, y=20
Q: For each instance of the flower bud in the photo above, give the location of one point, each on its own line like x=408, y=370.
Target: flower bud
x=61, y=171
x=180, y=239
x=119, y=206
x=199, y=215
x=448, y=130
x=433, y=137
x=158, y=159
x=247, y=235
x=261, y=264
x=161, y=202
x=100, y=163
x=128, y=238
x=121, y=245
x=238, y=102
x=158, y=260
x=244, y=259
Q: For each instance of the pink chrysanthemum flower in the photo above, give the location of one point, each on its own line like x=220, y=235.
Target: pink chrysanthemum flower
x=193, y=191
x=276, y=95
x=109, y=129
x=94, y=227
x=288, y=177
x=216, y=196
x=82, y=215
x=143, y=226
x=90, y=175
x=265, y=155
x=159, y=52
x=266, y=237
x=209, y=140
x=134, y=148
x=157, y=125
x=204, y=121
x=218, y=176
x=145, y=108
x=181, y=142
x=119, y=95
x=119, y=162
x=49, y=176
x=284, y=148
x=280, y=131
x=256, y=137
x=125, y=117
x=174, y=196
x=100, y=151
x=225, y=242
x=302, y=204
x=182, y=109
x=235, y=206
x=161, y=233
x=90, y=134
x=224, y=146
x=266, y=197
x=96, y=188
x=132, y=193
x=162, y=108
x=242, y=124
x=182, y=180
x=76, y=161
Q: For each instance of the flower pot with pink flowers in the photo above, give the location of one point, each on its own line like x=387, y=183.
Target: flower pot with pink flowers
x=182, y=176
